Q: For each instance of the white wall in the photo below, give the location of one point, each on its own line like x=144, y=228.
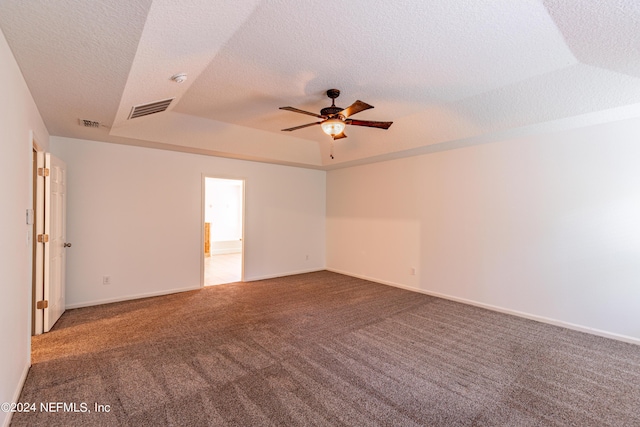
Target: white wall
x=135, y=214
x=18, y=116
x=545, y=226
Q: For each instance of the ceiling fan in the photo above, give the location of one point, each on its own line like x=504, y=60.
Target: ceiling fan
x=336, y=118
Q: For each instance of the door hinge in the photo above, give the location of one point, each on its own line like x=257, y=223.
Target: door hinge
x=43, y=171
x=43, y=238
x=40, y=305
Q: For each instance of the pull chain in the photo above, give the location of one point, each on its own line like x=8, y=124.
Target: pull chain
x=331, y=154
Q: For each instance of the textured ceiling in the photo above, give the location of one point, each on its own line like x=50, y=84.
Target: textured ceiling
x=446, y=73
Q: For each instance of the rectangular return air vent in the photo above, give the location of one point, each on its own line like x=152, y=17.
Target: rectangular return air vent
x=88, y=123
x=151, y=108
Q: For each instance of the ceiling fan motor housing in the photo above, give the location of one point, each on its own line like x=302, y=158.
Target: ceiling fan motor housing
x=330, y=111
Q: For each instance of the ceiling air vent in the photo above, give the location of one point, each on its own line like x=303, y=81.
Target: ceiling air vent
x=88, y=123
x=151, y=108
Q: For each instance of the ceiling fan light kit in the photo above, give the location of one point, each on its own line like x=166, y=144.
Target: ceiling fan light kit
x=335, y=119
x=333, y=126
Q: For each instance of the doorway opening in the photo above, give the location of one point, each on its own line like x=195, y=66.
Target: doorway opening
x=223, y=231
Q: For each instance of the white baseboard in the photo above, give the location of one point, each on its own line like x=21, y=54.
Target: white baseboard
x=129, y=297
x=290, y=273
x=174, y=291
x=16, y=393
x=537, y=318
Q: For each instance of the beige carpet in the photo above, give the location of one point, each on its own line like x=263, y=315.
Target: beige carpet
x=328, y=350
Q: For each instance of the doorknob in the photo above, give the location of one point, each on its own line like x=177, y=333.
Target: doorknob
x=67, y=245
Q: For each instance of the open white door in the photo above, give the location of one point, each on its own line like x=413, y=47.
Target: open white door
x=54, y=239
x=38, y=271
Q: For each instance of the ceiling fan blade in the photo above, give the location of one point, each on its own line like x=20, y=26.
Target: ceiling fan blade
x=301, y=126
x=339, y=136
x=297, y=110
x=369, y=123
x=354, y=108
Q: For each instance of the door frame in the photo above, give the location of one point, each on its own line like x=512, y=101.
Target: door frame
x=37, y=261
x=203, y=187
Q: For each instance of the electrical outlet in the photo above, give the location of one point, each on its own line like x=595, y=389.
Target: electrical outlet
x=106, y=280
x=412, y=271
x=307, y=258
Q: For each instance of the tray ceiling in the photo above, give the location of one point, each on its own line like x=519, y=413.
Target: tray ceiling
x=446, y=73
